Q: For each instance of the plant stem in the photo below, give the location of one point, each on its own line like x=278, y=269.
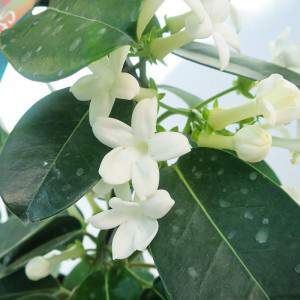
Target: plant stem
x=141, y=280
x=221, y=94
x=95, y=207
x=290, y=144
x=180, y=111
x=143, y=73
x=141, y=265
x=164, y=116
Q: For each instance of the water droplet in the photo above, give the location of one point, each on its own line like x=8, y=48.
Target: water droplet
x=231, y=234
x=220, y=172
x=200, y=159
x=262, y=235
x=26, y=56
x=244, y=191
x=224, y=190
x=297, y=269
x=265, y=221
x=192, y=272
x=57, y=29
x=224, y=203
x=253, y=176
x=102, y=31
x=60, y=73
x=214, y=158
x=173, y=241
x=66, y=187
x=175, y=228
x=248, y=215
x=45, y=163
x=194, y=169
x=46, y=30
x=80, y=172
x=38, y=49
x=75, y=44
x=179, y=212
x=198, y=174
x=82, y=26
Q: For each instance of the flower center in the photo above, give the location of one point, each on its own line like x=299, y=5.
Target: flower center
x=142, y=146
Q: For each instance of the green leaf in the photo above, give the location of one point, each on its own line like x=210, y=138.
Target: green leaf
x=114, y=285
x=68, y=36
x=22, y=242
x=190, y=99
x=51, y=158
x=158, y=291
x=231, y=231
x=18, y=285
x=38, y=297
x=240, y=64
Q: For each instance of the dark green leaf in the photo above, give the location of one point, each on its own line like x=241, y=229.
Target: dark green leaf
x=158, y=291
x=17, y=285
x=38, y=297
x=22, y=242
x=68, y=36
x=240, y=65
x=190, y=99
x=231, y=230
x=51, y=159
x=3, y=137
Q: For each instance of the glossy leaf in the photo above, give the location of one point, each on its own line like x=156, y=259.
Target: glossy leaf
x=115, y=285
x=18, y=285
x=3, y=137
x=23, y=242
x=68, y=36
x=240, y=64
x=236, y=228
x=190, y=99
x=51, y=158
x=38, y=297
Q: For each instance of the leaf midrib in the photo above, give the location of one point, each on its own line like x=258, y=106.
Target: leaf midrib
x=55, y=160
x=202, y=207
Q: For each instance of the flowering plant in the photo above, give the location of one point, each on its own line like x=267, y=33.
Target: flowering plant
x=192, y=213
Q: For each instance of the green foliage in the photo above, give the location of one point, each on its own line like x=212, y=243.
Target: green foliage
x=68, y=36
x=240, y=64
x=237, y=229
x=51, y=158
x=244, y=85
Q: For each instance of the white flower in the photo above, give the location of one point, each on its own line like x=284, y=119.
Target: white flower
x=284, y=53
x=208, y=19
x=137, y=148
x=294, y=193
x=137, y=221
x=107, y=83
x=252, y=143
x=103, y=190
x=278, y=100
x=38, y=268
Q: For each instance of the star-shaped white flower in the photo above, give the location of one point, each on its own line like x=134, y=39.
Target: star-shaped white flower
x=106, y=83
x=208, y=20
x=137, y=149
x=137, y=221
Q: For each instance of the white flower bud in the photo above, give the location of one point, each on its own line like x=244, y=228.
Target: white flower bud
x=38, y=268
x=252, y=143
x=278, y=100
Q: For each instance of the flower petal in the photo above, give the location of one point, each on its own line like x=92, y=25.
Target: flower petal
x=108, y=219
x=145, y=177
x=168, y=145
x=116, y=166
x=123, y=240
x=123, y=191
x=124, y=206
x=197, y=8
x=223, y=50
x=218, y=10
x=101, y=66
x=118, y=57
x=144, y=117
x=112, y=132
x=198, y=30
x=230, y=37
x=85, y=88
x=126, y=87
x=100, y=106
x=102, y=189
x=157, y=205
x=145, y=231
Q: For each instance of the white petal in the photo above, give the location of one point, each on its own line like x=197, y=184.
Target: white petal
x=197, y=8
x=148, y=9
x=196, y=29
x=144, y=117
x=218, y=10
x=126, y=87
x=230, y=37
x=157, y=205
x=108, y=219
x=116, y=166
x=100, y=106
x=145, y=177
x=235, y=17
x=124, y=206
x=168, y=145
x=112, y=132
x=102, y=189
x=101, y=66
x=118, y=57
x=123, y=241
x=85, y=88
x=223, y=50
x=123, y=191
x=146, y=230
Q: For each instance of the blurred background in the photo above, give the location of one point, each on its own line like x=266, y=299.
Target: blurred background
x=262, y=21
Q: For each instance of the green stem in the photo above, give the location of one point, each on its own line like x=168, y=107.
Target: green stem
x=141, y=265
x=290, y=144
x=72, y=253
x=215, y=97
x=91, y=200
x=175, y=24
x=180, y=111
x=215, y=141
x=139, y=279
x=164, y=116
x=143, y=73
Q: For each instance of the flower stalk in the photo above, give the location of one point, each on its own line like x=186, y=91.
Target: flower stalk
x=290, y=144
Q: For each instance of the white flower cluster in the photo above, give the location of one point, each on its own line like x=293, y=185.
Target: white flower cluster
x=134, y=157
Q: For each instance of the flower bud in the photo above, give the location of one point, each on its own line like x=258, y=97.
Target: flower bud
x=38, y=268
x=278, y=100
x=252, y=143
